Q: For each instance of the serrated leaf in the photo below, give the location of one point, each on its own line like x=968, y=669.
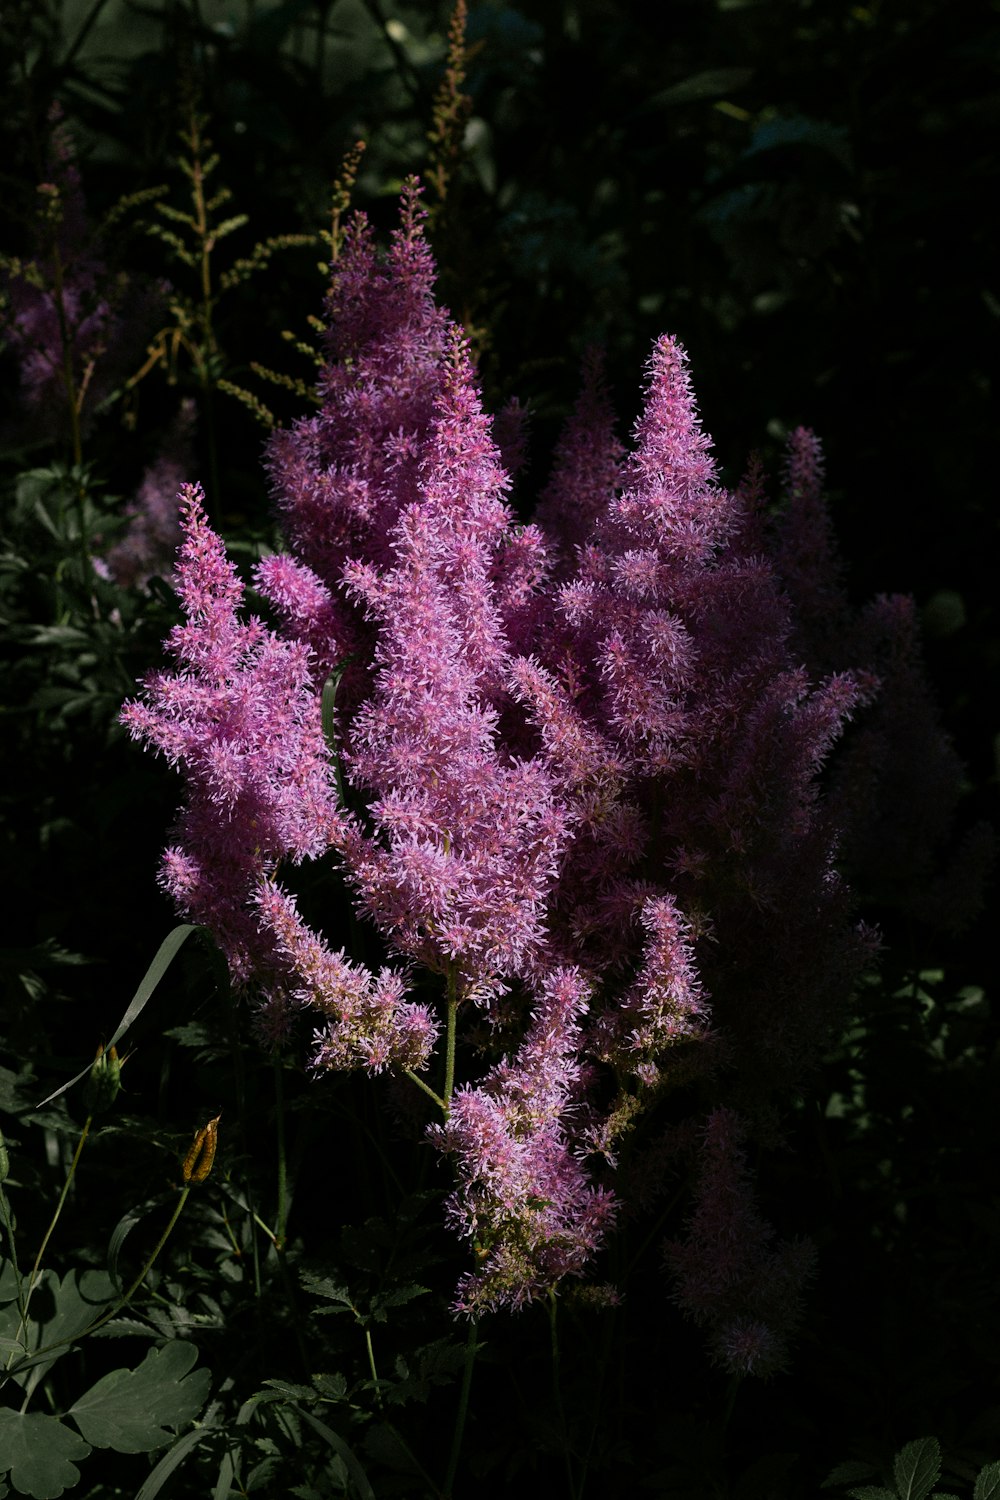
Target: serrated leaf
x=291, y=1391
x=322, y=1286
x=40, y=1453
x=987, y=1483
x=873, y=1492
x=848, y=1473
x=128, y=1409
x=917, y=1468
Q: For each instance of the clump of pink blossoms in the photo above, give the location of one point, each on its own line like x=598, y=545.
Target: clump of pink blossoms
x=582, y=765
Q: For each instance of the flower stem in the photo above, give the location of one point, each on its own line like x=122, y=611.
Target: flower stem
x=471, y=1350
x=557, y=1393
x=281, y=1226
x=449, y=1060
x=35, y=1270
x=415, y=1078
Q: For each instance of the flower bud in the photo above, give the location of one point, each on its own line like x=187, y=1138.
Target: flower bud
x=103, y=1081
x=198, y=1162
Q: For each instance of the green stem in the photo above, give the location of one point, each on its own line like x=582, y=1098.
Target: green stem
x=415, y=1078
x=34, y=1277
x=734, y=1386
x=557, y=1393
x=127, y=1297
x=279, y=1104
x=449, y=1060
x=22, y=1306
x=371, y=1366
x=471, y=1350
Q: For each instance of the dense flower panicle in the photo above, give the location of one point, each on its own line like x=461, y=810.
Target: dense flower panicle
x=342, y=477
x=240, y=718
x=307, y=610
x=153, y=527
x=466, y=838
x=663, y=1007
x=730, y=1274
x=807, y=558
x=523, y=1197
x=511, y=431
x=369, y=1023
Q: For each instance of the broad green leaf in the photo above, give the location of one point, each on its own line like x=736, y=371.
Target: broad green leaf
x=873, y=1492
x=58, y=1313
x=128, y=1409
x=40, y=1453
x=987, y=1483
x=917, y=1468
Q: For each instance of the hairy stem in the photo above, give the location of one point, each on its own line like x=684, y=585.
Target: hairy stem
x=449, y=1057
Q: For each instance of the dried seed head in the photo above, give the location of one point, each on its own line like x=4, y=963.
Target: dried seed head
x=198, y=1162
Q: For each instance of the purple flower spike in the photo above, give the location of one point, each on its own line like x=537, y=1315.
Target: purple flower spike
x=240, y=718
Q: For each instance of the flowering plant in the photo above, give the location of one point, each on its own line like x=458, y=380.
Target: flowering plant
x=574, y=776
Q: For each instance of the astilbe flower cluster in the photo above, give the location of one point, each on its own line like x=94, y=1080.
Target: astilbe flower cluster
x=74, y=325
x=582, y=763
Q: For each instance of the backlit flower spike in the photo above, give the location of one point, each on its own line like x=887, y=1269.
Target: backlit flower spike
x=523, y=1197
x=241, y=719
x=807, y=558
x=665, y=1005
x=153, y=527
x=587, y=469
x=731, y=1277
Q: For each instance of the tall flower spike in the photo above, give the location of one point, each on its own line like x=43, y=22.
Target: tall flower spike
x=730, y=1275
x=586, y=472
x=524, y=1199
x=241, y=720
x=466, y=839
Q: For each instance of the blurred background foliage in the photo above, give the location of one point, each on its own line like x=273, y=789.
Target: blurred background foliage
x=798, y=189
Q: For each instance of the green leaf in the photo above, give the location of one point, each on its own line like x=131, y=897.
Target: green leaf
x=917, y=1468
x=987, y=1483
x=76, y=1302
x=128, y=1409
x=336, y=1442
x=713, y=83
x=170, y=1461
x=162, y=960
x=872, y=1492
x=848, y=1473
x=39, y=1452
